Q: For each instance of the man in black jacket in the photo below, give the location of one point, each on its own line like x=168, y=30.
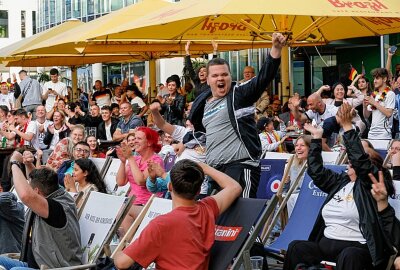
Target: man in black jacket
x=107, y=127
x=227, y=112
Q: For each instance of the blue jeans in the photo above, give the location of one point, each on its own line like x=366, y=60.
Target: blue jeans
x=11, y=264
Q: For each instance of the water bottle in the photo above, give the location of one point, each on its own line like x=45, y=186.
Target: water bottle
x=296, y=127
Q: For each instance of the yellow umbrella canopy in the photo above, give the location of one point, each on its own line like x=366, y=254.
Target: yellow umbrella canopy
x=74, y=40
x=65, y=60
x=306, y=22
x=21, y=45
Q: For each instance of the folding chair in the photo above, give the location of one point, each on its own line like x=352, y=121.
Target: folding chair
x=386, y=158
x=111, y=180
x=154, y=207
x=332, y=158
x=102, y=164
x=303, y=216
x=275, y=169
x=246, y=217
x=169, y=162
x=395, y=202
x=381, y=146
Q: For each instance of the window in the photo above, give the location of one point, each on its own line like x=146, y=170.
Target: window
x=3, y=24
x=23, y=23
x=116, y=4
x=33, y=22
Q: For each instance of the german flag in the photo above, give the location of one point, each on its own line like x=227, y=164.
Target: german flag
x=353, y=73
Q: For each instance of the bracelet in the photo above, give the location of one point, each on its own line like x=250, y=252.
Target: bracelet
x=15, y=162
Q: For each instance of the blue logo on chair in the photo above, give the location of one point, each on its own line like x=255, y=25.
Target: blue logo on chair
x=273, y=185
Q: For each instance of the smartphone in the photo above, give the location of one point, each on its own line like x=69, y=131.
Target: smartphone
x=393, y=49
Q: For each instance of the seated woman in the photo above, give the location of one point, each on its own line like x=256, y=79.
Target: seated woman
x=301, y=148
x=133, y=169
x=86, y=177
x=271, y=140
x=350, y=229
x=64, y=148
x=94, y=151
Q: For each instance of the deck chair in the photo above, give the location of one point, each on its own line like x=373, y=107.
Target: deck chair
x=381, y=146
x=332, y=158
x=303, y=216
x=395, y=202
x=247, y=216
x=102, y=164
x=154, y=207
x=99, y=224
x=111, y=181
x=387, y=162
x=275, y=169
x=169, y=162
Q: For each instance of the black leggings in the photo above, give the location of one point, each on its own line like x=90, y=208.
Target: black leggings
x=346, y=254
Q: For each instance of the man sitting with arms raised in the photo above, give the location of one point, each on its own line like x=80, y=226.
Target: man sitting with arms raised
x=182, y=239
x=51, y=234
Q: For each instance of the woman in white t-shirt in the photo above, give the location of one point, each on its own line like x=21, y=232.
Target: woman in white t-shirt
x=354, y=225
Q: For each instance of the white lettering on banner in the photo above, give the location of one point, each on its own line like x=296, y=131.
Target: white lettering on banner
x=315, y=190
x=223, y=233
x=265, y=168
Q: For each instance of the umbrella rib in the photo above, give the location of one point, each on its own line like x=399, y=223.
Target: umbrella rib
x=190, y=27
x=319, y=30
x=274, y=22
x=315, y=25
x=366, y=26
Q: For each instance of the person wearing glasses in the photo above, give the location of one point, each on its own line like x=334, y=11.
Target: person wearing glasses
x=81, y=150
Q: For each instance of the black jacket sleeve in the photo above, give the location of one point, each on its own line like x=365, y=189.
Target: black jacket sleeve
x=17, y=90
x=323, y=178
x=358, y=158
x=190, y=69
x=391, y=225
x=396, y=173
x=47, y=137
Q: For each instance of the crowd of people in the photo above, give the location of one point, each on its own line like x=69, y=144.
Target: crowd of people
x=217, y=130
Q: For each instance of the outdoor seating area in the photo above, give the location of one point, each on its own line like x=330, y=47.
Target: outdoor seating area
x=187, y=134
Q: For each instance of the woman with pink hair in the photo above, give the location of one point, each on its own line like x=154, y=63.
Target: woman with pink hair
x=133, y=169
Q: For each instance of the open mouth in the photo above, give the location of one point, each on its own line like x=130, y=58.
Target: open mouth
x=221, y=86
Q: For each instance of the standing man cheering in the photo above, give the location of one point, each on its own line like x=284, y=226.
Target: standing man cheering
x=226, y=113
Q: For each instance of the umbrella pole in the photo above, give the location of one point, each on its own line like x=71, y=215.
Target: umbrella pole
x=152, y=79
x=74, y=81
x=285, y=84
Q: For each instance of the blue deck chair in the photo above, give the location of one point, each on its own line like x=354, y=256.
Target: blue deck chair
x=303, y=216
x=272, y=171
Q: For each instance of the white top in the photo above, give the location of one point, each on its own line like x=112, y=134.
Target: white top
x=6, y=100
x=37, y=140
x=108, y=132
x=330, y=110
x=188, y=153
x=381, y=125
x=341, y=216
x=138, y=101
x=165, y=150
x=59, y=87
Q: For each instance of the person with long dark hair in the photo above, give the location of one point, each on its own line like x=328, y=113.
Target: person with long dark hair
x=86, y=176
